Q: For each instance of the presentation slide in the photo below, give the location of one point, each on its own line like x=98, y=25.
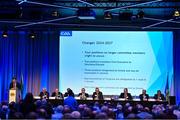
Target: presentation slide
x=114, y=60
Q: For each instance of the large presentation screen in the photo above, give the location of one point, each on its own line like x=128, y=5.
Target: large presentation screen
x=114, y=60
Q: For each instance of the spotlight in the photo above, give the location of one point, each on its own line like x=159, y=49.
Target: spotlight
x=5, y=34
x=55, y=14
x=140, y=14
x=107, y=15
x=32, y=35
x=176, y=14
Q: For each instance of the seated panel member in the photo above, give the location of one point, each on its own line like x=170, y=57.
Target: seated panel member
x=97, y=95
x=159, y=96
x=126, y=95
x=57, y=94
x=44, y=94
x=144, y=96
x=83, y=95
x=66, y=94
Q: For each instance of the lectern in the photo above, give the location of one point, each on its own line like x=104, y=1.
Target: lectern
x=14, y=95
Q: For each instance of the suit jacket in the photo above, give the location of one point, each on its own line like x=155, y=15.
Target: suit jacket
x=60, y=95
x=161, y=97
x=141, y=97
x=128, y=94
x=100, y=96
x=86, y=95
x=42, y=95
x=18, y=85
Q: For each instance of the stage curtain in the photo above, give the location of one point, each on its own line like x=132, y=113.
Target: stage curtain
x=36, y=61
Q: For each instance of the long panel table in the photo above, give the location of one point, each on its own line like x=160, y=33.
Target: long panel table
x=90, y=101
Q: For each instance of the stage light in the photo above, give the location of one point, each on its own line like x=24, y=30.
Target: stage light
x=55, y=14
x=140, y=14
x=5, y=34
x=32, y=35
x=107, y=15
x=176, y=14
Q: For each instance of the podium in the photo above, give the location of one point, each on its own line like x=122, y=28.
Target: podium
x=14, y=95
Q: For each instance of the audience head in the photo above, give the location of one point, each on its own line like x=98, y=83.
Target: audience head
x=76, y=115
x=59, y=109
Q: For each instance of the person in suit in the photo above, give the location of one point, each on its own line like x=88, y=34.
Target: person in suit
x=57, y=94
x=66, y=94
x=159, y=96
x=14, y=84
x=126, y=95
x=44, y=94
x=144, y=96
x=97, y=95
x=83, y=95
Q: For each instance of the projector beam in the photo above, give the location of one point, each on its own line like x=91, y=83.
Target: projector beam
x=155, y=19
x=47, y=21
x=133, y=5
x=152, y=25
x=50, y=5
x=86, y=2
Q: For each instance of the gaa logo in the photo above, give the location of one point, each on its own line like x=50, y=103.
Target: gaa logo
x=66, y=33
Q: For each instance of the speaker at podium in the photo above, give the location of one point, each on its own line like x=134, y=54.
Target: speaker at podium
x=14, y=91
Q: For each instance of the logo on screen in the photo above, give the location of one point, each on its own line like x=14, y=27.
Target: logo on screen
x=66, y=33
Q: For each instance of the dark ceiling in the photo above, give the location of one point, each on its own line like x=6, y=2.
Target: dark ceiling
x=61, y=14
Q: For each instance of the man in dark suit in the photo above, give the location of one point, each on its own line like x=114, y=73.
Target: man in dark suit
x=83, y=95
x=97, y=95
x=44, y=94
x=126, y=95
x=57, y=94
x=159, y=96
x=144, y=96
x=14, y=84
x=66, y=94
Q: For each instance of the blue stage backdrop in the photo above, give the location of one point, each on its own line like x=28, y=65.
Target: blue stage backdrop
x=37, y=62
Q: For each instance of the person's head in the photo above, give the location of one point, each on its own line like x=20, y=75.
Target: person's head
x=97, y=90
x=143, y=91
x=158, y=92
x=59, y=109
x=44, y=90
x=125, y=90
x=14, y=79
x=70, y=93
x=68, y=89
x=76, y=115
x=83, y=90
x=56, y=90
